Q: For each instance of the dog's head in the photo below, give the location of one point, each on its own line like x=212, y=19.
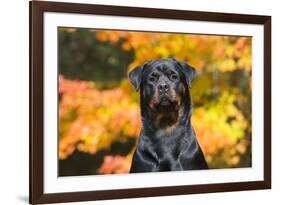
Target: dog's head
x=163, y=83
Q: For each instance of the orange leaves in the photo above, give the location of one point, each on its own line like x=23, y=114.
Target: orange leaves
x=115, y=165
x=224, y=53
x=70, y=30
x=111, y=36
x=134, y=40
x=92, y=119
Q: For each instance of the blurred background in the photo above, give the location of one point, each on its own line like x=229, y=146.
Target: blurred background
x=99, y=116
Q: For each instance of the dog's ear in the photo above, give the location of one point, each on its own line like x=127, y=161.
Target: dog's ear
x=135, y=76
x=188, y=71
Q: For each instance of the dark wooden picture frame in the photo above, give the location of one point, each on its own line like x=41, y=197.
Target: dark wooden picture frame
x=37, y=9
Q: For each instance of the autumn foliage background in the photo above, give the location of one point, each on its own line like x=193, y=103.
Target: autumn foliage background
x=99, y=116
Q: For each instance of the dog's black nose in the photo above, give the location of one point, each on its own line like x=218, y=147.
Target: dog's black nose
x=163, y=87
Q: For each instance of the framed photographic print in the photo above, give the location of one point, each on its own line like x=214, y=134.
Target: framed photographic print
x=135, y=102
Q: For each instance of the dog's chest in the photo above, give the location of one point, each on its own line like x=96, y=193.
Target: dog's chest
x=169, y=145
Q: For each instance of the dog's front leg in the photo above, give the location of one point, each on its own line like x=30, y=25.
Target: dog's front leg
x=144, y=161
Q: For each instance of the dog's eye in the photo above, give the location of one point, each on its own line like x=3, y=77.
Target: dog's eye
x=152, y=79
x=174, y=77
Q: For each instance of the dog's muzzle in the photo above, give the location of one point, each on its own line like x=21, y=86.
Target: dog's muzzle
x=165, y=101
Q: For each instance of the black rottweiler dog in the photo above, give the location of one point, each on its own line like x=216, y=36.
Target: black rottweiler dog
x=167, y=141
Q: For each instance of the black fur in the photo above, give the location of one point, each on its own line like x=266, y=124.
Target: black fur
x=167, y=141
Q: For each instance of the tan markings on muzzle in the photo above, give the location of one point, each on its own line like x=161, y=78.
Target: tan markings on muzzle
x=154, y=100
x=175, y=97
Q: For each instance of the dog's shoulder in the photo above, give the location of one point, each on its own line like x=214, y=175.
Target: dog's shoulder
x=192, y=156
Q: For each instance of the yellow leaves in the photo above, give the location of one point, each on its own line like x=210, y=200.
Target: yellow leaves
x=163, y=52
x=220, y=127
x=245, y=60
x=228, y=53
x=227, y=65
x=92, y=119
x=241, y=146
